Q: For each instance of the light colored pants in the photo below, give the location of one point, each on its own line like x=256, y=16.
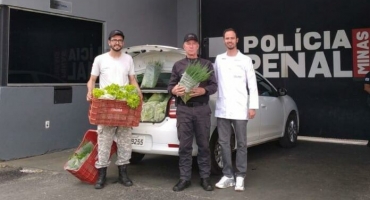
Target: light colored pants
x=106, y=135
x=224, y=133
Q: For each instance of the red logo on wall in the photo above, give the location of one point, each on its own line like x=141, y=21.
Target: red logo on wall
x=360, y=47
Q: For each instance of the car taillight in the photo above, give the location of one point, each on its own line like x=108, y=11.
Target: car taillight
x=172, y=108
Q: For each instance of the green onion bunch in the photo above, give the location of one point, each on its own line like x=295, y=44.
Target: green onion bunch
x=198, y=72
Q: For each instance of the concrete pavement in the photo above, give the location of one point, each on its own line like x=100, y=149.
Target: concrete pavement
x=309, y=171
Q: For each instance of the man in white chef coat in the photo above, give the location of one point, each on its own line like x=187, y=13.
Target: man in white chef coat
x=234, y=106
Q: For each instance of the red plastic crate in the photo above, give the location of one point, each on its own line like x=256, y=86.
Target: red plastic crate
x=113, y=113
x=87, y=172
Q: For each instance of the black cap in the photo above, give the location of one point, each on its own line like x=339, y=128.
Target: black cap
x=116, y=32
x=190, y=36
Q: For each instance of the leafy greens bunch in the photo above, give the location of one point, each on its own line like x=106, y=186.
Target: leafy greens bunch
x=80, y=156
x=126, y=93
x=194, y=74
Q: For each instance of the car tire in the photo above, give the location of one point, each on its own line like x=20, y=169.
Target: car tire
x=136, y=157
x=289, y=138
x=216, y=157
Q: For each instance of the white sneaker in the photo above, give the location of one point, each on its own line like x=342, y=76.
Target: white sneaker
x=225, y=182
x=239, y=184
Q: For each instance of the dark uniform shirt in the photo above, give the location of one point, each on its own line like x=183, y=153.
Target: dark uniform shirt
x=209, y=85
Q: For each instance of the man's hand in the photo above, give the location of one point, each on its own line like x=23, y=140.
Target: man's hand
x=178, y=90
x=251, y=113
x=88, y=96
x=141, y=95
x=198, y=91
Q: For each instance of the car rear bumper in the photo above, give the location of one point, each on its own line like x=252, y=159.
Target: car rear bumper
x=158, y=138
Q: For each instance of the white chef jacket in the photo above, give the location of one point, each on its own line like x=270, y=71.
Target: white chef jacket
x=234, y=74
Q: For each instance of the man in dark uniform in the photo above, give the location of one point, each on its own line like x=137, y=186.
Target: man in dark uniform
x=193, y=118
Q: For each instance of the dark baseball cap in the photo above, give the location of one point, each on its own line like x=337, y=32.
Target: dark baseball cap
x=116, y=32
x=190, y=36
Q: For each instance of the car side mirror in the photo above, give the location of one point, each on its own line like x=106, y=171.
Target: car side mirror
x=282, y=91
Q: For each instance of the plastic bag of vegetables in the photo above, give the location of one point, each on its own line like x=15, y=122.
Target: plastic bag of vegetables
x=157, y=97
x=80, y=156
x=159, y=112
x=194, y=74
x=152, y=72
x=147, y=112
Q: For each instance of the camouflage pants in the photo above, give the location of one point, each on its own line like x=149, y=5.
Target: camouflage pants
x=106, y=135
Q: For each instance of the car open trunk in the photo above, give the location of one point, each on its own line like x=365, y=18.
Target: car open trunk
x=157, y=100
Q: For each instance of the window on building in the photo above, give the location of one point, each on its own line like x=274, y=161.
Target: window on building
x=46, y=48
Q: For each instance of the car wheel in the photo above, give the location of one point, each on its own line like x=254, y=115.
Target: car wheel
x=216, y=156
x=136, y=157
x=291, y=132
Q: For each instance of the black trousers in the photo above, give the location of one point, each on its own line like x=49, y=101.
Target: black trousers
x=194, y=121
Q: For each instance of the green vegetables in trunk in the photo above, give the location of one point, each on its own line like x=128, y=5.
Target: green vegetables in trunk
x=151, y=75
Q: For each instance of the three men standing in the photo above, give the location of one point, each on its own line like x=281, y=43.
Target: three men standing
x=234, y=106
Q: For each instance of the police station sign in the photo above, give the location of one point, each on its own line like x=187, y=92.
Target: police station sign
x=277, y=52
x=275, y=57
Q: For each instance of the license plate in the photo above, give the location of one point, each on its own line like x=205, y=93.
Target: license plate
x=137, y=140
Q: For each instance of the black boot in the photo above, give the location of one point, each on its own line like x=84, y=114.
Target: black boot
x=123, y=178
x=206, y=184
x=102, y=172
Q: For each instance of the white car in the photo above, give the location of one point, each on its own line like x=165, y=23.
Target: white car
x=277, y=117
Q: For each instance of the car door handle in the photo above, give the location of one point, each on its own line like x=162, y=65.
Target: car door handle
x=263, y=106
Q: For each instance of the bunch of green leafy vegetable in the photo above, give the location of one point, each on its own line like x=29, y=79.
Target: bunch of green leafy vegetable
x=151, y=75
x=126, y=93
x=194, y=74
x=80, y=156
x=147, y=112
x=98, y=92
x=131, y=95
x=198, y=72
x=155, y=108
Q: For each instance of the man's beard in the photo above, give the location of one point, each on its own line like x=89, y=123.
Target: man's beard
x=116, y=50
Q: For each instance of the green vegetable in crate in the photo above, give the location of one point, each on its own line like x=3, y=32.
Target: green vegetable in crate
x=151, y=75
x=194, y=74
x=131, y=96
x=80, y=156
x=97, y=92
x=112, y=89
x=126, y=93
